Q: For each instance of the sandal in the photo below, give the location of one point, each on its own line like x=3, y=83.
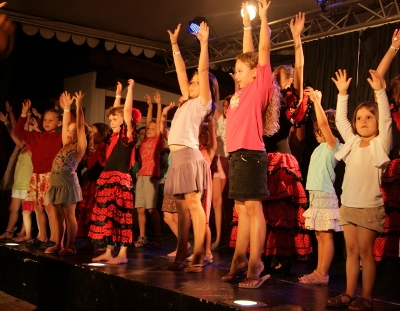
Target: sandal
x=361, y=304
x=260, y=281
x=176, y=266
x=10, y=233
x=234, y=277
x=68, y=251
x=142, y=241
x=314, y=278
x=337, y=301
x=53, y=249
x=194, y=268
x=35, y=243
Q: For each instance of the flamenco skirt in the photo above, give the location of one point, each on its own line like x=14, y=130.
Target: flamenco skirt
x=283, y=209
x=85, y=207
x=112, y=220
x=387, y=243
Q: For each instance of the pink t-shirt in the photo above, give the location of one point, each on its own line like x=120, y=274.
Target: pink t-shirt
x=149, y=152
x=244, y=124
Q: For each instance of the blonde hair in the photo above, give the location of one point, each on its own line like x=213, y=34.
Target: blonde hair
x=271, y=114
x=249, y=58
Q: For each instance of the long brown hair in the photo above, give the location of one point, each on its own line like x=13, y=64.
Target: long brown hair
x=372, y=107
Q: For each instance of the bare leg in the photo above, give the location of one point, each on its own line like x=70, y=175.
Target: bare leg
x=155, y=217
x=171, y=219
x=121, y=258
x=41, y=220
x=319, y=243
x=184, y=224
x=352, y=260
x=27, y=221
x=107, y=256
x=12, y=218
x=207, y=243
x=72, y=225
x=58, y=224
x=217, y=206
x=327, y=252
x=50, y=210
x=142, y=220
x=193, y=201
x=366, y=239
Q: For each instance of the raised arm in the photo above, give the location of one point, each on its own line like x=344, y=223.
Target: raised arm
x=118, y=92
x=157, y=99
x=149, y=118
x=322, y=121
x=212, y=139
x=202, y=71
x=247, y=33
x=264, y=45
x=20, y=127
x=65, y=103
x=80, y=127
x=342, y=122
x=296, y=27
x=10, y=129
x=385, y=119
x=389, y=56
x=180, y=66
x=128, y=108
x=13, y=121
x=163, y=121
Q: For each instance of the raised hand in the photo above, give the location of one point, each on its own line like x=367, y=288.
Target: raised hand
x=35, y=125
x=36, y=113
x=78, y=98
x=131, y=84
x=147, y=98
x=157, y=98
x=263, y=6
x=297, y=24
x=173, y=36
x=314, y=95
x=66, y=100
x=118, y=91
x=203, y=33
x=246, y=15
x=3, y=117
x=8, y=107
x=375, y=82
x=26, y=106
x=396, y=38
x=168, y=108
x=341, y=81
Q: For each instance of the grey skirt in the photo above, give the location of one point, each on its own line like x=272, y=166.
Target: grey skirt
x=64, y=188
x=187, y=172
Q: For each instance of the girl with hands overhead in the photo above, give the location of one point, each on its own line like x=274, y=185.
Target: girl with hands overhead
x=323, y=212
x=200, y=97
x=112, y=216
x=64, y=191
x=368, y=140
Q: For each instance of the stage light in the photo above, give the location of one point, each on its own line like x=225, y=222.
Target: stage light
x=194, y=25
x=94, y=264
x=12, y=244
x=246, y=303
x=322, y=4
x=252, y=11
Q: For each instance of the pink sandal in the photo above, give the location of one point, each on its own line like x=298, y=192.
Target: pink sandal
x=314, y=278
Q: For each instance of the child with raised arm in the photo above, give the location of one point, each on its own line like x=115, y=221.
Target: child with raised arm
x=44, y=146
x=187, y=175
x=112, y=217
x=367, y=144
x=323, y=212
x=22, y=176
x=248, y=159
x=149, y=175
x=387, y=244
x=64, y=191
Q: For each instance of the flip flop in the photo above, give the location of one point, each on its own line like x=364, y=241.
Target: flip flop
x=260, y=280
x=234, y=277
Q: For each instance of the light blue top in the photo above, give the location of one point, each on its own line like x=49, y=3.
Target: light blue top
x=321, y=172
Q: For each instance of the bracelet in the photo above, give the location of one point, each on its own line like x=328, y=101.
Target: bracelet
x=117, y=96
x=247, y=28
x=393, y=48
x=176, y=53
x=5, y=123
x=66, y=110
x=174, y=43
x=23, y=115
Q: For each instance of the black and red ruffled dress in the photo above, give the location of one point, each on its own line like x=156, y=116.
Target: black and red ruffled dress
x=283, y=209
x=112, y=216
x=387, y=243
x=94, y=163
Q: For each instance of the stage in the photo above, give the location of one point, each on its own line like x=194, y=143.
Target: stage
x=52, y=282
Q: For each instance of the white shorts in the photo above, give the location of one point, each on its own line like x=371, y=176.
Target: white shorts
x=18, y=194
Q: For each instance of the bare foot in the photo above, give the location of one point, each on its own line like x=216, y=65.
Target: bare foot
x=107, y=256
x=22, y=238
x=172, y=254
x=6, y=235
x=235, y=269
x=117, y=260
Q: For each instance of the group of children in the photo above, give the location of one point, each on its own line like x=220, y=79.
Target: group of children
x=257, y=120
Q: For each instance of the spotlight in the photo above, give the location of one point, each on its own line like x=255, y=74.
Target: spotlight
x=322, y=4
x=94, y=264
x=252, y=11
x=194, y=25
x=12, y=244
x=246, y=303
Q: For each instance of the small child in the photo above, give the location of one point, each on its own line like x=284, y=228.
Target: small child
x=112, y=218
x=64, y=191
x=45, y=145
x=323, y=213
x=149, y=175
x=367, y=144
